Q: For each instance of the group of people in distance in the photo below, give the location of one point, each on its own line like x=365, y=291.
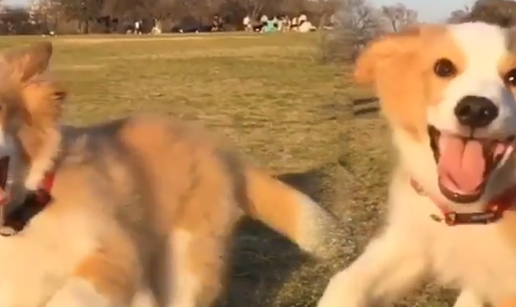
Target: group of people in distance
x=281, y=23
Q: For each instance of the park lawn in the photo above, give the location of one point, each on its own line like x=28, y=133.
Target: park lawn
x=284, y=110
x=265, y=91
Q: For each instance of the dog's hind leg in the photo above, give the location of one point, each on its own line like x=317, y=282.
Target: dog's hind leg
x=191, y=275
x=108, y=277
x=388, y=268
x=144, y=298
x=468, y=298
x=193, y=266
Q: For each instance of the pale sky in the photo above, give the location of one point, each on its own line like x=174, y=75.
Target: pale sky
x=428, y=10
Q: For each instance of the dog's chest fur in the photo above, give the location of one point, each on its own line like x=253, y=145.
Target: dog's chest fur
x=476, y=257
x=36, y=262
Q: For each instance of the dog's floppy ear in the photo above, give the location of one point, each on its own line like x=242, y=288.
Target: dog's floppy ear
x=391, y=45
x=30, y=61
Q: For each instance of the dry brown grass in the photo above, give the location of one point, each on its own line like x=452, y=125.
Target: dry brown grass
x=280, y=106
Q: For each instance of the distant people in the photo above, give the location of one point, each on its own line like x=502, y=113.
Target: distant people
x=156, y=29
x=217, y=24
x=248, y=27
x=138, y=27
x=285, y=23
x=294, y=24
x=302, y=18
x=263, y=21
x=303, y=25
x=270, y=26
x=306, y=27
x=281, y=23
x=275, y=22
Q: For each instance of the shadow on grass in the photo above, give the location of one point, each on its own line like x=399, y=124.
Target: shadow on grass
x=264, y=261
x=366, y=107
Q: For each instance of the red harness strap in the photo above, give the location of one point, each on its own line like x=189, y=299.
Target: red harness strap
x=34, y=202
x=43, y=192
x=492, y=212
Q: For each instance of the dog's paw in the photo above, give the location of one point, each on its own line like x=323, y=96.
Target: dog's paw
x=341, y=292
x=79, y=293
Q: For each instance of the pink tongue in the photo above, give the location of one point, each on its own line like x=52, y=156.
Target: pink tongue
x=461, y=165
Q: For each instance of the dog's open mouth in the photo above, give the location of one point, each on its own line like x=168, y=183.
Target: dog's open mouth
x=464, y=164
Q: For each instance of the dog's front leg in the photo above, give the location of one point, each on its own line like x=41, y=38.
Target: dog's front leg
x=389, y=266
x=107, y=278
x=81, y=293
x=468, y=298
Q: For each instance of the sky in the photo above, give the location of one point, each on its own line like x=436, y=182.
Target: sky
x=428, y=10
x=17, y=1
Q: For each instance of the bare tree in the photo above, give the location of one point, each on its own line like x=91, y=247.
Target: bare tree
x=129, y=8
x=459, y=15
x=501, y=12
x=45, y=13
x=328, y=8
x=91, y=13
x=356, y=23
x=359, y=21
x=200, y=10
x=253, y=7
x=398, y=15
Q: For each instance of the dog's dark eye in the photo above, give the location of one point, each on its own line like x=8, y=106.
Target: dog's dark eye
x=510, y=77
x=444, y=68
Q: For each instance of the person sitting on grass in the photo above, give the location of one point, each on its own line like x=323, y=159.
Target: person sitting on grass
x=263, y=21
x=217, y=24
x=270, y=26
x=284, y=24
x=248, y=27
x=294, y=24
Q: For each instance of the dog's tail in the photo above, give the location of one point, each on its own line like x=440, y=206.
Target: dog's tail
x=290, y=212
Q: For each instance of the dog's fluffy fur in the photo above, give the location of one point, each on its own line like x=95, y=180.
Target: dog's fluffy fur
x=508, y=303
x=478, y=259
x=138, y=203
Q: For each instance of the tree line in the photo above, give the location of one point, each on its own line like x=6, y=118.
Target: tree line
x=500, y=12
x=108, y=16
x=359, y=21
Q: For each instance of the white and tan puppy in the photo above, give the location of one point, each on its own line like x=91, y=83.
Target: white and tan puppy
x=508, y=303
x=138, y=203
x=448, y=92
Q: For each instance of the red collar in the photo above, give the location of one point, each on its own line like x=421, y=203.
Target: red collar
x=492, y=213
x=47, y=183
x=34, y=203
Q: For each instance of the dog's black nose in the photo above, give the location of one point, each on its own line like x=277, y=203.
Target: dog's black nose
x=475, y=111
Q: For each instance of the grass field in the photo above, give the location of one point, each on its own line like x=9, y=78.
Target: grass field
x=284, y=110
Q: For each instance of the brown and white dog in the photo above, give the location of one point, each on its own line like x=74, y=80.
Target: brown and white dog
x=448, y=92
x=508, y=303
x=94, y=215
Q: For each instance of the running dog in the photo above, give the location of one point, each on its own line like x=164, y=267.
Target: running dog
x=91, y=216
x=448, y=93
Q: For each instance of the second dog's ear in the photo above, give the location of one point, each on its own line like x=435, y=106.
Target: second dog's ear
x=30, y=61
